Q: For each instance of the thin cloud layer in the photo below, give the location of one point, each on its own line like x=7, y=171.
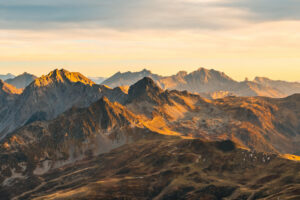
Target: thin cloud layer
x=143, y=14
x=268, y=10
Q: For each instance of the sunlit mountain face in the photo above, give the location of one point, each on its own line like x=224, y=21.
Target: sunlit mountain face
x=149, y=99
x=66, y=137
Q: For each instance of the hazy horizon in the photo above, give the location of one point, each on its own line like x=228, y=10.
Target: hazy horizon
x=244, y=38
x=138, y=70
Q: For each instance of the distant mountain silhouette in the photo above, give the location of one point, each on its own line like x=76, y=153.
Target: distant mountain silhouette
x=6, y=76
x=209, y=83
x=22, y=80
x=129, y=78
x=97, y=80
x=283, y=86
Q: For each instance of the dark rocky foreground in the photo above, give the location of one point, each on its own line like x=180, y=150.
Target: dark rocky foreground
x=167, y=168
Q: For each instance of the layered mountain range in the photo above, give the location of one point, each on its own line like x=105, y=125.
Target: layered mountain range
x=209, y=83
x=65, y=137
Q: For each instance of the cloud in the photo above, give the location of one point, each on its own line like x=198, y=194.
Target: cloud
x=268, y=10
x=142, y=14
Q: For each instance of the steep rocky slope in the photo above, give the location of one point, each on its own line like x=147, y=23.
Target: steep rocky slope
x=22, y=80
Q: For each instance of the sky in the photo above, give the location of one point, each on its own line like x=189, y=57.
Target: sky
x=243, y=38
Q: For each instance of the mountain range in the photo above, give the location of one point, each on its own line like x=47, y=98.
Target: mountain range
x=65, y=137
x=209, y=83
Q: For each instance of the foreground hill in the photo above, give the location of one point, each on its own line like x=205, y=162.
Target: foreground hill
x=164, y=169
x=209, y=83
x=48, y=96
x=22, y=80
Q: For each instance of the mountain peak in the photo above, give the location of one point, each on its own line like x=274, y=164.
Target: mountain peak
x=62, y=76
x=202, y=69
x=145, y=84
x=129, y=78
x=146, y=71
x=145, y=89
x=181, y=74
x=210, y=74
